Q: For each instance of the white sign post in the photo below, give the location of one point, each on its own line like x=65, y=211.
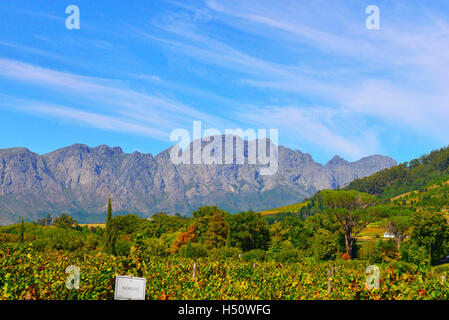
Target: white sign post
x=129, y=288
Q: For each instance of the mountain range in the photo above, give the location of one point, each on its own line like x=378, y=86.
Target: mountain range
x=78, y=180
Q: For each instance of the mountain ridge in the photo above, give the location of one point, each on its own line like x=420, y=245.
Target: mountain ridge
x=78, y=179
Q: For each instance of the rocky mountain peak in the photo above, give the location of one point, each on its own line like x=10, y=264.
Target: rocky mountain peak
x=78, y=180
x=337, y=161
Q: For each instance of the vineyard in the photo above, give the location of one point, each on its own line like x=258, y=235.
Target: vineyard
x=333, y=250
x=28, y=274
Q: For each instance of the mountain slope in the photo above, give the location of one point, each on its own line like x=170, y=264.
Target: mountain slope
x=78, y=180
x=406, y=177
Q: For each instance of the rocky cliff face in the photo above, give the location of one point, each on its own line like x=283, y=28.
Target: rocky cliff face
x=78, y=180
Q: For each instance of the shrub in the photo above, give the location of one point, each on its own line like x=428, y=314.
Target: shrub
x=123, y=247
x=402, y=266
x=156, y=247
x=169, y=238
x=388, y=250
x=41, y=245
x=288, y=255
x=354, y=264
x=411, y=252
x=254, y=255
x=370, y=251
x=193, y=250
x=92, y=242
x=225, y=252
x=8, y=238
x=184, y=238
x=442, y=269
x=345, y=256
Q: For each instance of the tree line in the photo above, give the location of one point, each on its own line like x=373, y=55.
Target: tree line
x=331, y=232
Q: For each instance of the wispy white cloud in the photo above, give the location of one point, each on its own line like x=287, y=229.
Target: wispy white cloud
x=99, y=100
x=35, y=51
x=101, y=121
x=399, y=73
x=312, y=125
x=366, y=83
x=107, y=95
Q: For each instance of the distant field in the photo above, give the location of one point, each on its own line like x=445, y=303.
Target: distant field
x=290, y=208
x=372, y=232
x=94, y=225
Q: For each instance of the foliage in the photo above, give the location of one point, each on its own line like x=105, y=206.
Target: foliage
x=288, y=255
x=202, y=218
x=127, y=225
x=193, y=250
x=65, y=222
x=156, y=247
x=240, y=256
x=184, y=238
x=254, y=255
x=162, y=223
x=249, y=231
x=370, y=251
x=109, y=236
x=224, y=252
x=351, y=210
x=123, y=247
x=431, y=231
x=387, y=250
x=399, y=228
x=45, y=221
x=28, y=274
x=21, y=230
x=325, y=245
x=406, y=177
x=217, y=232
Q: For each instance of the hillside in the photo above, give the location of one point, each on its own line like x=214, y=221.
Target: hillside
x=78, y=180
x=434, y=197
x=290, y=208
x=406, y=177
x=419, y=185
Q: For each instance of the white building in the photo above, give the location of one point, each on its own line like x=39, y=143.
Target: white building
x=388, y=235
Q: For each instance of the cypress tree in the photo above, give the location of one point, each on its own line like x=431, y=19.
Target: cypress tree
x=21, y=230
x=109, y=246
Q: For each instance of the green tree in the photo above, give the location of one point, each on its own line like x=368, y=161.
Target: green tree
x=21, y=231
x=202, y=217
x=127, y=224
x=65, y=222
x=217, y=232
x=109, y=236
x=249, y=230
x=350, y=209
x=161, y=223
x=294, y=231
x=431, y=231
x=399, y=228
x=325, y=245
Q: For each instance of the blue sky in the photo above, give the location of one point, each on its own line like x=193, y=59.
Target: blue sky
x=136, y=70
